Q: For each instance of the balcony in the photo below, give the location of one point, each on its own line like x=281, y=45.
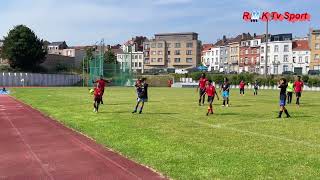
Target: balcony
x=234, y=62
x=276, y=62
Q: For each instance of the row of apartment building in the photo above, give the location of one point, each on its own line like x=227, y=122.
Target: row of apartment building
x=246, y=53
x=243, y=53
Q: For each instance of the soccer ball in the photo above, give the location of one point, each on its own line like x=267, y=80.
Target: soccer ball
x=91, y=91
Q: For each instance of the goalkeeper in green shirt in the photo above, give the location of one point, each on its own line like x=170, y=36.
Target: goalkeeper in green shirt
x=289, y=92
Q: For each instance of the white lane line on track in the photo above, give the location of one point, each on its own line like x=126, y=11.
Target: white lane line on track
x=221, y=126
x=46, y=171
x=84, y=146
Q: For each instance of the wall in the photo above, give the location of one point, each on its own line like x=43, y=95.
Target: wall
x=34, y=79
x=53, y=60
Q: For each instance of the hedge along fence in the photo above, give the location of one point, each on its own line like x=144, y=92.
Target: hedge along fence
x=234, y=79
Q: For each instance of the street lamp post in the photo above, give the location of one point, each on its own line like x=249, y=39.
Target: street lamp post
x=266, y=51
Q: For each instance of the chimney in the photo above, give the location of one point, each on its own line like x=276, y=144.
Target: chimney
x=254, y=35
x=224, y=38
x=243, y=35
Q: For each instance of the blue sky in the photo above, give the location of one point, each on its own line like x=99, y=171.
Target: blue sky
x=82, y=22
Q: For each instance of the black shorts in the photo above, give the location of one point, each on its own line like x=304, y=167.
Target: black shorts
x=210, y=99
x=298, y=94
x=242, y=90
x=202, y=91
x=97, y=99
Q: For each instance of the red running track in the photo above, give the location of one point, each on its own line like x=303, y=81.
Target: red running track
x=33, y=146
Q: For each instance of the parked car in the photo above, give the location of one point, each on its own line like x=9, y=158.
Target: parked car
x=314, y=72
x=181, y=71
x=233, y=72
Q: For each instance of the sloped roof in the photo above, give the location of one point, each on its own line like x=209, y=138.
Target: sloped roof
x=58, y=43
x=206, y=47
x=300, y=45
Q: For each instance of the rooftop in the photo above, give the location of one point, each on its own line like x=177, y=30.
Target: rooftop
x=171, y=34
x=300, y=45
x=58, y=43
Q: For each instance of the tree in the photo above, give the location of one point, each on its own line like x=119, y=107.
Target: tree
x=110, y=57
x=23, y=48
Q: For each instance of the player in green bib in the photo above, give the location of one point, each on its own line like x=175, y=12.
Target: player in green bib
x=289, y=91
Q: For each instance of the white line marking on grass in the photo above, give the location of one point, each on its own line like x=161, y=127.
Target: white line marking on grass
x=221, y=126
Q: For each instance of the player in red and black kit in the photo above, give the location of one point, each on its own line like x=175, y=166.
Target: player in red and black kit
x=298, y=87
x=101, y=84
x=211, y=92
x=97, y=98
x=202, y=86
x=241, y=86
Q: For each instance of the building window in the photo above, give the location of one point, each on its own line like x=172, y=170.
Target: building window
x=285, y=68
x=275, y=70
x=154, y=60
x=189, y=45
x=212, y=52
x=294, y=59
x=217, y=52
x=317, y=36
x=177, y=52
x=255, y=43
x=268, y=49
x=176, y=60
x=146, y=60
x=140, y=64
x=262, y=49
x=286, y=48
x=189, y=60
x=168, y=45
x=135, y=56
x=276, y=38
x=159, y=52
x=285, y=58
x=262, y=59
x=140, y=56
x=246, y=51
x=306, y=59
x=276, y=48
x=153, y=52
x=146, y=46
x=135, y=64
x=316, y=56
x=146, y=53
x=317, y=46
x=169, y=52
x=177, y=45
x=160, y=45
x=189, y=52
x=300, y=59
x=153, y=45
x=159, y=59
x=275, y=58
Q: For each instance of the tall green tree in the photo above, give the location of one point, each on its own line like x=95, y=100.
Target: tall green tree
x=23, y=48
x=110, y=57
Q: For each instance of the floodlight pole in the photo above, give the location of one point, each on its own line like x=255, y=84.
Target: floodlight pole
x=266, y=50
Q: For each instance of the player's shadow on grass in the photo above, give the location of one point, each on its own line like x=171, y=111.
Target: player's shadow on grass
x=228, y=114
x=114, y=112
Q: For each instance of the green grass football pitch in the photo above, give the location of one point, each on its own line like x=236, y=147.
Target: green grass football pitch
x=175, y=137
